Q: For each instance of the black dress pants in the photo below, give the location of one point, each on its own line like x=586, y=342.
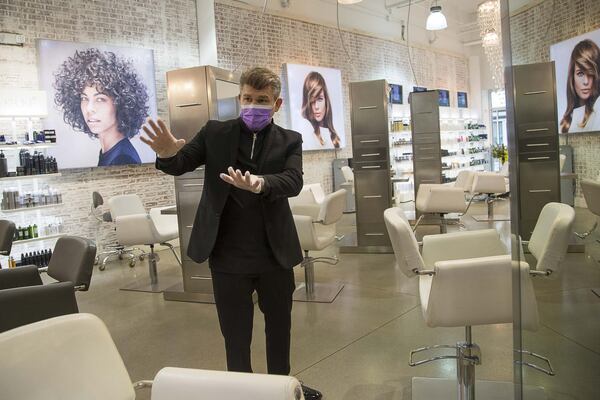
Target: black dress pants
x=233, y=297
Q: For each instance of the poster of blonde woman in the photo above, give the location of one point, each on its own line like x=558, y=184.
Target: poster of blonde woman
x=316, y=106
x=577, y=63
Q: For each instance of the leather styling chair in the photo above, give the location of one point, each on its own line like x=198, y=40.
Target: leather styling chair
x=316, y=230
x=73, y=357
x=591, y=194
x=465, y=285
x=111, y=249
x=136, y=227
x=439, y=200
x=7, y=235
x=23, y=297
x=490, y=184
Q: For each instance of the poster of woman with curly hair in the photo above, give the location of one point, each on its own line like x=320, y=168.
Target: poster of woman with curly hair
x=98, y=99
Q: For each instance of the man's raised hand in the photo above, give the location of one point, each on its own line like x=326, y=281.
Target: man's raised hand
x=159, y=138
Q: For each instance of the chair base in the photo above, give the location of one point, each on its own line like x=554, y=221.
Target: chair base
x=495, y=217
x=444, y=389
x=322, y=293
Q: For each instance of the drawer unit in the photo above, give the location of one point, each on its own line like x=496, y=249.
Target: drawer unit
x=371, y=166
x=372, y=234
x=535, y=94
x=538, y=144
x=370, y=154
x=369, y=108
x=369, y=141
x=432, y=148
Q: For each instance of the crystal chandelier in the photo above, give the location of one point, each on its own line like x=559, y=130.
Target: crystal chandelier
x=488, y=18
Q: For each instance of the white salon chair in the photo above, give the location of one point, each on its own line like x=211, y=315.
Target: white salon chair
x=439, y=200
x=464, y=180
x=591, y=194
x=135, y=226
x=490, y=184
x=73, y=357
x=462, y=284
x=348, y=179
x=316, y=231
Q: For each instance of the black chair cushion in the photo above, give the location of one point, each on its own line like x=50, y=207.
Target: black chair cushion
x=25, y=305
x=19, y=277
x=73, y=260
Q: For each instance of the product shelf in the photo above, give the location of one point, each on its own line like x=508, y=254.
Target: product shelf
x=38, y=239
x=22, y=209
x=26, y=146
x=16, y=178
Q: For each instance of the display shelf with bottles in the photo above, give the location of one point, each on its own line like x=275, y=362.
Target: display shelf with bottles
x=401, y=153
x=465, y=146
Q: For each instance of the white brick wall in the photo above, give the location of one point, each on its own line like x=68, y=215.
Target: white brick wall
x=283, y=40
x=531, y=39
x=169, y=28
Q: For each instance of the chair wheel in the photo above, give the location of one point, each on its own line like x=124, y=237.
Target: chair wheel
x=102, y=267
x=142, y=257
x=96, y=261
x=120, y=256
x=131, y=263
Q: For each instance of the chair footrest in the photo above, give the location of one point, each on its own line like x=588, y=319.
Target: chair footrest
x=414, y=363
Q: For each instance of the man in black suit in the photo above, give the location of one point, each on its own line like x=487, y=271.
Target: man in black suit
x=244, y=226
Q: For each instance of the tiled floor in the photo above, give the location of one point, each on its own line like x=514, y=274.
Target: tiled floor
x=358, y=346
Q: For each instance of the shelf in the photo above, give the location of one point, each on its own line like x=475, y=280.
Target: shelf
x=15, y=210
x=17, y=178
x=38, y=239
x=26, y=146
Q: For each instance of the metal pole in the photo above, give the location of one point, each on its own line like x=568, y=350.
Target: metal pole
x=490, y=205
x=467, y=356
x=443, y=225
x=152, y=266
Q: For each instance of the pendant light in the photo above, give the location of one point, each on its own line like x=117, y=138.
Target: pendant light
x=436, y=21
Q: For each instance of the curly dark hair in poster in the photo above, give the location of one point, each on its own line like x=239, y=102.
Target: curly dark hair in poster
x=109, y=74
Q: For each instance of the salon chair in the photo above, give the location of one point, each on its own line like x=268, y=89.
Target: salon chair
x=591, y=194
x=136, y=227
x=439, y=200
x=114, y=249
x=23, y=297
x=462, y=284
x=7, y=235
x=490, y=184
x=348, y=178
x=73, y=357
x=316, y=230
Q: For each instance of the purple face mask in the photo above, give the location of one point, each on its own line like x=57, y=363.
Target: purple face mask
x=256, y=117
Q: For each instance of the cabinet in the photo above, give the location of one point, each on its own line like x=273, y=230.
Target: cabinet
x=371, y=160
x=537, y=141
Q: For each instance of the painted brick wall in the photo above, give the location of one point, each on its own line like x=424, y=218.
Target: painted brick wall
x=169, y=28
x=283, y=40
x=531, y=37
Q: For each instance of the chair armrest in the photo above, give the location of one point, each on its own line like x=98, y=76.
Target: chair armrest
x=136, y=229
x=306, y=231
x=311, y=210
x=19, y=277
x=192, y=384
x=462, y=245
x=483, y=286
x=439, y=198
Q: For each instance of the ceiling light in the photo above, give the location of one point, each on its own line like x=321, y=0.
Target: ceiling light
x=348, y=1
x=490, y=38
x=436, y=20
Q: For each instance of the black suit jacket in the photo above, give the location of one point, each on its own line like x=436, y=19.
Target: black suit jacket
x=280, y=164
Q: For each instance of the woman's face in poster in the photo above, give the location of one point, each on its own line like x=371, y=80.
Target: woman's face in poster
x=583, y=83
x=98, y=110
x=318, y=106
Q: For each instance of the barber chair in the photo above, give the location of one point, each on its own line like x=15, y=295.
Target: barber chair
x=490, y=184
x=316, y=231
x=73, y=357
x=23, y=297
x=465, y=285
x=7, y=235
x=113, y=249
x=591, y=194
x=439, y=200
x=136, y=227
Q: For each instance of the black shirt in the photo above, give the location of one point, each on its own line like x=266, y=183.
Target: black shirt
x=242, y=245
